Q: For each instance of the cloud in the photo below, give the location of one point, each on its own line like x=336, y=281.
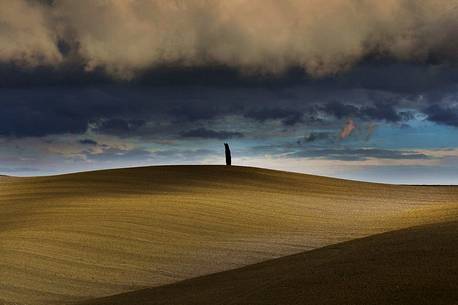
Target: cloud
x=87, y=142
x=26, y=35
x=317, y=137
x=341, y=153
x=359, y=154
x=18, y=170
x=196, y=111
x=288, y=117
x=166, y=112
x=23, y=117
x=380, y=110
x=371, y=127
x=109, y=153
x=347, y=129
x=119, y=126
x=267, y=36
x=180, y=155
x=447, y=115
x=205, y=133
x=340, y=110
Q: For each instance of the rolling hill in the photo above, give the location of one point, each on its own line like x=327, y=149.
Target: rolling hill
x=416, y=266
x=74, y=237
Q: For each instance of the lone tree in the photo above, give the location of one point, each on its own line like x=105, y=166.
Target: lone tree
x=228, y=154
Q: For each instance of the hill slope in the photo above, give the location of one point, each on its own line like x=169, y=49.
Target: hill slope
x=415, y=266
x=71, y=237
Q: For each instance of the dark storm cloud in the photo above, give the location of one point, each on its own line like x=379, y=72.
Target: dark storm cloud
x=193, y=112
x=119, y=126
x=412, y=78
x=288, y=117
x=125, y=110
x=388, y=75
x=447, y=115
x=318, y=137
x=204, y=133
x=150, y=110
x=46, y=110
x=25, y=118
x=341, y=110
x=381, y=111
x=41, y=112
x=87, y=142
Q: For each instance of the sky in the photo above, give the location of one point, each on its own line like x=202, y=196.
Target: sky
x=355, y=89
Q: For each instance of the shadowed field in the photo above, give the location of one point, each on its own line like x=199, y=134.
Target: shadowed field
x=75, y=237
x=416, y=266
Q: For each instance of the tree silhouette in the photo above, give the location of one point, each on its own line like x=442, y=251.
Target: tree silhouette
x=228, y=154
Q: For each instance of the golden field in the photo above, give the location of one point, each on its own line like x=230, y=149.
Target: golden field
x=415, y=266
x=75, y=237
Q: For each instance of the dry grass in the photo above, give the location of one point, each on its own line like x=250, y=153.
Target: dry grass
x=72, y=237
